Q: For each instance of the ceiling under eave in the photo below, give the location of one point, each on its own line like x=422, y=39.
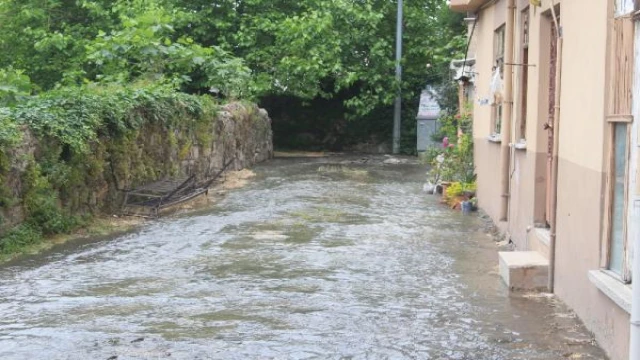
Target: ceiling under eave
x=466, y=5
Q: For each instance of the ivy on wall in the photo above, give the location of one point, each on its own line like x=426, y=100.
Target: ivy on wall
x=85, y=137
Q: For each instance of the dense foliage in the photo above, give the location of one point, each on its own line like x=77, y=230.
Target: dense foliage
x=452, y=164
x=303, y=50
x=89, y=139
x=76, y=117
x=453, y=161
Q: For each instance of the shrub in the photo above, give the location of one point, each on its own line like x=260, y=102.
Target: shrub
x=454, y=190
x=453, y=163
x=18, y=238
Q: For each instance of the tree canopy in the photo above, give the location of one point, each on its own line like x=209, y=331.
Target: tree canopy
x=306, y=49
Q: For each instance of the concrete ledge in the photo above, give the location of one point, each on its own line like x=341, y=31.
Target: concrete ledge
x=494, y=138
x=618, y=292
x=520, y=145
x=524, y=270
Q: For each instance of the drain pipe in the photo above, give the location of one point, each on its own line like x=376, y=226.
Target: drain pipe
x=554, y=160
x=507, y=104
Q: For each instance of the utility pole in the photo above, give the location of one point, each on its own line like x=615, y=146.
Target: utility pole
x=397, y=111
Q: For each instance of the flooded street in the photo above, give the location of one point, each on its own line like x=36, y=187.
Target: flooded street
x=328, y=258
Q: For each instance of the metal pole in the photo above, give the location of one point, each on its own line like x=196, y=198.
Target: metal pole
x=397, y=111
x=507, y=120
x=555, y=157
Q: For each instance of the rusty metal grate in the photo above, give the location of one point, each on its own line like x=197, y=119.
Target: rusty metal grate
x=149, y=199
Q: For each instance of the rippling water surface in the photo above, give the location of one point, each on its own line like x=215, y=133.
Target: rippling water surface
x=333, y=258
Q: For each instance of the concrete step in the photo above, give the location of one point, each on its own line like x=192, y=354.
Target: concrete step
x=524, y=270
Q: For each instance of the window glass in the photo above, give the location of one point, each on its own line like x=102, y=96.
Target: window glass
x=498, y=48
x=498, y=121
x=618, y=204
x=624, y=7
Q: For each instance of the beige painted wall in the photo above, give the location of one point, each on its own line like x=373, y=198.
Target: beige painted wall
x=487, y=155
x=581, y=176
x=581, y=164
x=583, y=101
x=527, y=187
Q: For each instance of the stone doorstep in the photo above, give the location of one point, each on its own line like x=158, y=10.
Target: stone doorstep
x=524, y=270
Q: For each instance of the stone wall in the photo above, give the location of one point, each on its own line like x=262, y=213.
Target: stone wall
x=18, y=159
x=239, y=131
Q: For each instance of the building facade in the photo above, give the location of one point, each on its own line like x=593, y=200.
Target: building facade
x=556, y=145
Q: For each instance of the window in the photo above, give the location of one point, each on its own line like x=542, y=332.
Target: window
x=618, y=193
x=524, y=73
x=624, y=7
x=498, y=60
x=497, y=117
x=619, y=118
x=498, y=47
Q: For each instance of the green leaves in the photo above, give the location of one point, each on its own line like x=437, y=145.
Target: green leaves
x=146, y=46
x=10, y=134
x=308, y=49
x=454, y=163
x=76, y=117
x=14, y=86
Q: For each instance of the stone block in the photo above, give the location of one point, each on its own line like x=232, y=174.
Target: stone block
x=524, y=270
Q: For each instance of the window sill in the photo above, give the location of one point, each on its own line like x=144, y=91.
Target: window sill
x=494, y=138
x=520, y=145
x=618, y=292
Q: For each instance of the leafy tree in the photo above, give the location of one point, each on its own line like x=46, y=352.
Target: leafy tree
x=14, y=86
x=319, y=47
x=47, y=38
x=146, y=45
x=309, y=49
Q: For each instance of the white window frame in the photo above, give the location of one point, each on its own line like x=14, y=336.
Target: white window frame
x=619, y=112
x=497, y=114
x=625, y=271
x=523, y=106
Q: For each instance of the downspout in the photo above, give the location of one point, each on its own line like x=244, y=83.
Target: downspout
x=507, y=104
x=554, y=160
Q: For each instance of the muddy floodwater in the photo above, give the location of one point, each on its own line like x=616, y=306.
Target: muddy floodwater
x=328, y=258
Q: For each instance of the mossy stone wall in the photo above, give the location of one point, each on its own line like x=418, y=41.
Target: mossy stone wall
x=43, y=181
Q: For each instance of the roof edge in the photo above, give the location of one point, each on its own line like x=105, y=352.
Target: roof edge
x=466, y=5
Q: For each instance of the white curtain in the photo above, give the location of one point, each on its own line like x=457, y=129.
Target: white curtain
x=624, y=7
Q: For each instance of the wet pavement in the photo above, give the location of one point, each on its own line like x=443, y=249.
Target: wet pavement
x=329, y=258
